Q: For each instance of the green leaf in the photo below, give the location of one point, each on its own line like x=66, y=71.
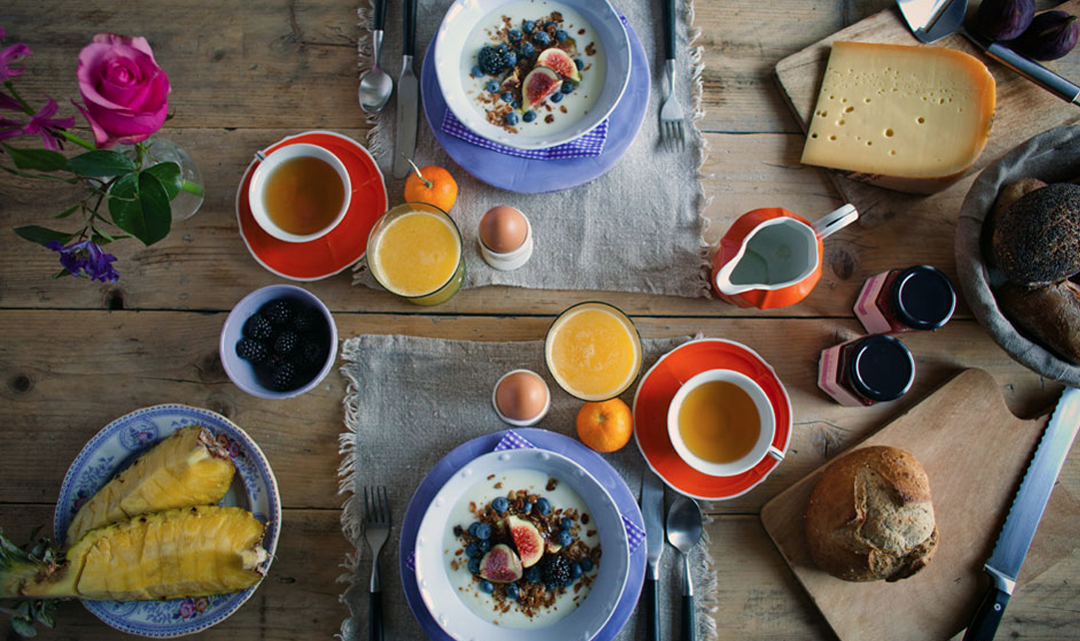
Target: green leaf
x=60, y=274
x=39, y=159
x=23, y=627
x=140, y=206
x=102, y=163
x=169, y=175
x=42, y=235
x=45, y=612
x=67, y=212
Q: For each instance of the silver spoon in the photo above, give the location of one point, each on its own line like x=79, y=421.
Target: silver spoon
x=376, y=85
x=684, y=523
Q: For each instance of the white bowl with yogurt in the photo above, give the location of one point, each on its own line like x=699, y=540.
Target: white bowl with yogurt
x=450, y=594
x=594, y=24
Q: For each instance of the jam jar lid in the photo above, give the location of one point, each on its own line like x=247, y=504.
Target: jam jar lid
x=923, y=298
x=881, y=369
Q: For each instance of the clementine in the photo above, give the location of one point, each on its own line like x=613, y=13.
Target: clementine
x=432, y=185
x=605, y=426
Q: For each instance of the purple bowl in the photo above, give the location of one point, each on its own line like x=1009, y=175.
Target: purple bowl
x=240, y=371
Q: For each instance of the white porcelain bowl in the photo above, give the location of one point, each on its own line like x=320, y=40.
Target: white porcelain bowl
x=453, y=54
x=456, y=618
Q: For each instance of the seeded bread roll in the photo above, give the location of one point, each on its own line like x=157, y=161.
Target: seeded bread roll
x=1037, y=239
x=870, y=516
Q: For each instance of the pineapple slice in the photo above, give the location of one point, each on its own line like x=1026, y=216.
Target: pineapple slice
x=188, y=468
x=188, y=552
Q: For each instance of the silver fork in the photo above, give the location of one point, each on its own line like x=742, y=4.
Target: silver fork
x=671, y=113
x=376, y=531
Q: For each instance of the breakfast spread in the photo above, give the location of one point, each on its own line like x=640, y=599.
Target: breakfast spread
x=522, y=551
x=871, y=517
x=919, y=298
x=286, y=342
x=866, y=370
x=912, y=119
x=534, y=63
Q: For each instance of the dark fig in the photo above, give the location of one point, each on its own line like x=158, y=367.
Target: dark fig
x=1052, y=34
x=1004, y=19
x=501, y=565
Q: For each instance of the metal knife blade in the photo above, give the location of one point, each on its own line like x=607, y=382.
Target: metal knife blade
x=1024, y=514
x=652, y=511
x=408, y=99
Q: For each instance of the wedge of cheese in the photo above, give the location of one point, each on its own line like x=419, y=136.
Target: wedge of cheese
x=913, y=119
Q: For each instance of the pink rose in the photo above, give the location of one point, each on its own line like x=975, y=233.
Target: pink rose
x=125, y=91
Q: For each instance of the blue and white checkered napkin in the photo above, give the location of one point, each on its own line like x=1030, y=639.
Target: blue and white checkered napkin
x=635, y=536
x=587, y=145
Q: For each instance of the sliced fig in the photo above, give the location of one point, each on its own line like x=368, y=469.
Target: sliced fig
x=539, y=84
x=560, y=62
x=501, y=565
x=527, y=540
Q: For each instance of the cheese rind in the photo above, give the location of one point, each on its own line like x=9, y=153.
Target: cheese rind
x=913, y=119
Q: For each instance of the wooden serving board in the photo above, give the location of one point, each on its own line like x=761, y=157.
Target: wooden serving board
x=975, y=452
x=1023, y=109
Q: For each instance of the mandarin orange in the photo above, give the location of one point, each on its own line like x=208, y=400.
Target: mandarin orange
x=432, y=185
x=605, y=426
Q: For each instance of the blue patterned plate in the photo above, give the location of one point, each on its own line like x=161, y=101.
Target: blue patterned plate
x=113, y=449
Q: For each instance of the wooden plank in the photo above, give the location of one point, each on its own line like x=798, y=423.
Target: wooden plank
x=61, y=386
x=1023, y=109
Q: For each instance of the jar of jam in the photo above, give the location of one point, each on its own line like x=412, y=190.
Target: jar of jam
x=866, y=370
x=918, y=298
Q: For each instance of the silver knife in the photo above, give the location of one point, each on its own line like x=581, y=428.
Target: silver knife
x=1003, y=566
x=408, y=98
x=652, y=511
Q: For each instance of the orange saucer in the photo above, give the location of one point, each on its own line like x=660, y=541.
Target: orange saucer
x=659, y=386
x=346, y=243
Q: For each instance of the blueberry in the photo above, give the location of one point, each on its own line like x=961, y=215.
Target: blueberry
x=532, y=575
x=564, y=538
x=527, y=49
x=542, y=38
x=500, y=504
x=483, y=531
x=501, y=49
x=475, y=72
x=510, y=59
x=543, y=506
x=567, y=86
x=472, y=550
x=526, y=507
x=529, y=116
x=556, y=97
x=568, y=582
x=511, y=118
x=515, y=105
x=507, y=96
x=473, y=528
x=549, y=587
x=486, y=587
x=514, y=35
x=586, y=564
x=561, y=35
x=492, y=86
x=528, y=26
x=576, y=570
x=474, y=565
x=579, y=63
x=512, y=591
x=566, y=524
x=485, y=546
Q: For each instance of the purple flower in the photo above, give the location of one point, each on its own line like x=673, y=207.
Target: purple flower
x=43, y=122
x=10, y=55
x=9, y=103
x=10, y=128
x=87, y=256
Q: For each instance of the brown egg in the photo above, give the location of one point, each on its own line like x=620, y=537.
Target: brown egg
x=521, y=396
x=503, y=229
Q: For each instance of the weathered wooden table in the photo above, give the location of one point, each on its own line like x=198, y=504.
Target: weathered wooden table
x=74, y=355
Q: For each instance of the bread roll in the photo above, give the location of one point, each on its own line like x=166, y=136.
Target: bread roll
x=1037, y=239
x=1050, y=315
x=870, y=516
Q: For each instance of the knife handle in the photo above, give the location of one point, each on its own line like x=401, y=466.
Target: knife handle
x=379, y=20
x=669, y=29
x=652, y=609
x=988, y=616
x=410, y=27
x=1029, y=69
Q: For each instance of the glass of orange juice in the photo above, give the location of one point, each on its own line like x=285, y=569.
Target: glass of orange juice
x=414, y=251
x=593, y=351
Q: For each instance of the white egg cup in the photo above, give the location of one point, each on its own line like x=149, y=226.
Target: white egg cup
x=512, y=259
x=518, y=422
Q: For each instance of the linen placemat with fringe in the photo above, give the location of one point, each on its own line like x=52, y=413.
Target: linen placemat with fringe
x=411, y=400
x=637, y=228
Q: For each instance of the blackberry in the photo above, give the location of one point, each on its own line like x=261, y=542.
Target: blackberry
x=312, y=353
x=279, y=312
x=555, y=569
x=286, y=342
x=251, y=350
x=258, y=328
x=285, y=377
x=490, y=61
x=305, y=321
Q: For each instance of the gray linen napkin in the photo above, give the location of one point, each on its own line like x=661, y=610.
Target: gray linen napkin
x=637, y=228
x=411, y=400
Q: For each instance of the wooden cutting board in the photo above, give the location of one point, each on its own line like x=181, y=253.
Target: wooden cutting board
x=975, y=452
x=1023, y=109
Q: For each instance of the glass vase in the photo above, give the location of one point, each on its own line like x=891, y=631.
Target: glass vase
x=191, y=196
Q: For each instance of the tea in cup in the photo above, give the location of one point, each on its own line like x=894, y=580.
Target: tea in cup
x=721, y=423
x=299, y=192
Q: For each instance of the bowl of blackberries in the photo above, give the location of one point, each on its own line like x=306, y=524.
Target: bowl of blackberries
x=279, y=341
